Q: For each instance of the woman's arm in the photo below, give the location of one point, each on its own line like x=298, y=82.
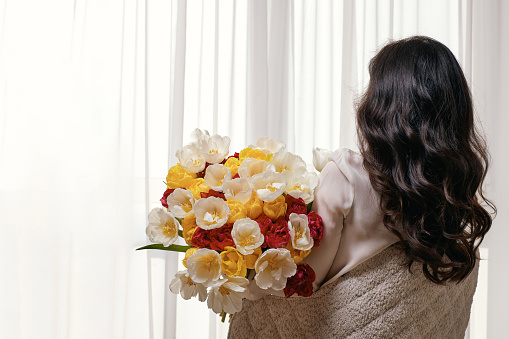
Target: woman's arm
x=333, y=200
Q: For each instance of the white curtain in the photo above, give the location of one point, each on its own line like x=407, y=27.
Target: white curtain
x=96, y=97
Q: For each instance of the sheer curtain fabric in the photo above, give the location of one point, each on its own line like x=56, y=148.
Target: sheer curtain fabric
x=97, y=96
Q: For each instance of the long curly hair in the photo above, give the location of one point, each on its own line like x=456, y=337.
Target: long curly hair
x=424, y=157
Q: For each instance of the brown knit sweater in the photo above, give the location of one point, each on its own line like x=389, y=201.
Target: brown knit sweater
x=380, y=298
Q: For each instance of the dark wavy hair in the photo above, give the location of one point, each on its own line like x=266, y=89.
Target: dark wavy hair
x=416, y=132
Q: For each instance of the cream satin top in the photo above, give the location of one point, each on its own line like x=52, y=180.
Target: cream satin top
x=353, y=228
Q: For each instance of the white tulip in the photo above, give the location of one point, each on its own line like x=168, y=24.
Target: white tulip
x=299, y=232
x=216, y=175
x=250, y=167
x=301, y=185
x=269, y=145
x=320, y=158
x=214, y=149
x=227, y=294
x=204, y=267
x=162, y=227
x=187, y=288
x=273, y=268
x=211, y=212
x=180, y=202
x=198, y=135
x=190, y=158
x=246, y=235
x=287, y=161
x=268, y=185
x=237, y=189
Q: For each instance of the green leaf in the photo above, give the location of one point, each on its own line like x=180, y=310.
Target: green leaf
x=181, y=234
x=173, y=248
x=309, y=206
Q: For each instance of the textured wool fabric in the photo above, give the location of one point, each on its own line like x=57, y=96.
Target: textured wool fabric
x=379, y=298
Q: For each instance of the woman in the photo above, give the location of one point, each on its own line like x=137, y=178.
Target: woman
x=403, y=219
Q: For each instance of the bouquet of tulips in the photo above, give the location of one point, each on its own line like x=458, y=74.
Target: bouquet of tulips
x=242, y=216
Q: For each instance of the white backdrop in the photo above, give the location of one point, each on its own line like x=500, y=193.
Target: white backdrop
x=96, y=97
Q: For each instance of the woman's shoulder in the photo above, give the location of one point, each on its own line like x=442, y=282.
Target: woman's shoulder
x=336, y=183
x=350, y=163
x=347, y=152
x=346, y=156
x=344, y=180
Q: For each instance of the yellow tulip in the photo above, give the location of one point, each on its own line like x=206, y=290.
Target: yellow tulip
x=251, y=258
x=179, y=178
x=297, y=255
x=233, y=262
x=276, y=208
x=189, y=226
x=254, y=206
x=237, y=209
x=254, y=153
x=189, y=253
x=233, y=164
x=198, y=186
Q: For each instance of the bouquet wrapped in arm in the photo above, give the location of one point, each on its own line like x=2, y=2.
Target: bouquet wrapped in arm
x=247, y=212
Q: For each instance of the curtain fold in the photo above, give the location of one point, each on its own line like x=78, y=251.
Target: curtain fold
x=279, y=85
x=257, y=70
